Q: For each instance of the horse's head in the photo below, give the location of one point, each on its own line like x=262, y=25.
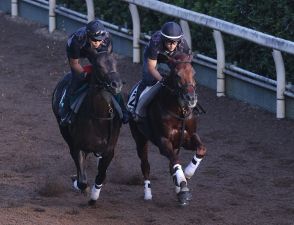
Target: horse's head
x=105, y=72
x=182, y=79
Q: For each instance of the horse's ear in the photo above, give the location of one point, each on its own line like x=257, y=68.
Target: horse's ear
x=191, y=56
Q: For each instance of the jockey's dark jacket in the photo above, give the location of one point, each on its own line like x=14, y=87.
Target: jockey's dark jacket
x=79, y=47
x=156, y=47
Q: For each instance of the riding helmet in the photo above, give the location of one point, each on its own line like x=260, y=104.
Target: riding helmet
x=171, y=31
x=95, y=30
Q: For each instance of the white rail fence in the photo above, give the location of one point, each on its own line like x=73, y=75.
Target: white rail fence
x=218, y=26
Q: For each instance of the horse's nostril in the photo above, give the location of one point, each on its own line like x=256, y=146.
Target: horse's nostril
x=190, y=97
x=113, y=84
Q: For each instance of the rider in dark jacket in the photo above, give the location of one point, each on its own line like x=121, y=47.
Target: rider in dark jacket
x=166, y=41
x=82, y=44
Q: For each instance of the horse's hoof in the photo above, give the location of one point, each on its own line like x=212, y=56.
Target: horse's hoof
x=73, y=178
x=82, y=187
x=147, y=199
x=185, y=192
x=184, y=197
x=86, y=191
x=184, y=203
x=188, y=196
x=91, y=202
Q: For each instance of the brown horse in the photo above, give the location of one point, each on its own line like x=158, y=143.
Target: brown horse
x=97, y=124
x=170, y=124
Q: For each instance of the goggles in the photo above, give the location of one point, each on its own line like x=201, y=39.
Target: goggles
x=171, y=42
x=98, y=36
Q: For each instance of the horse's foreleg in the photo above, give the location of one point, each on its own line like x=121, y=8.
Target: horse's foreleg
x=200, y=153
x=102, y=169
x=178, y=177
x=180, y=181
x=80, y=183
x=142, y=152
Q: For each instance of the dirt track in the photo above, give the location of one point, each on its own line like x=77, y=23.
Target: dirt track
x=246, y=178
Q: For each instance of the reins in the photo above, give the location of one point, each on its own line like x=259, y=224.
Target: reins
x=183, y=119
x=186, y=113
x=111, y=114
x=101, y=86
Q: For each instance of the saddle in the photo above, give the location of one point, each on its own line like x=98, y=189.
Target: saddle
x=146, y=96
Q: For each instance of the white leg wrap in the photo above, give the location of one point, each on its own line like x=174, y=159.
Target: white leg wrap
x=75, y=185
x=177, y=189
x=178, y=176
x=191, y=168
x=95, y=192
x=147, y=190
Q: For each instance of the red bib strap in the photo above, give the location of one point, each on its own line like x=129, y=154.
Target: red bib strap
x=88, y=68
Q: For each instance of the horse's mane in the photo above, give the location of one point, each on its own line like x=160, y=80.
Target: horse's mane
x=182, y=57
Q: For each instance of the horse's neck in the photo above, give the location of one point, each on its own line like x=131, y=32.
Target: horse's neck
x=168, y=101
x=99, y=100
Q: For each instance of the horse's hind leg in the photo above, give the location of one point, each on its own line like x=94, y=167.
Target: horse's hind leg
x=102, y=169
x=142, y=152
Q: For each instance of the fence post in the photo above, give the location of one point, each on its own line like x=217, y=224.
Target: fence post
x=136, y=32
x=186, y=30
x=14, y=8
x=220, y=52
x=281, y=83
x=52, y=18
x=90, y=10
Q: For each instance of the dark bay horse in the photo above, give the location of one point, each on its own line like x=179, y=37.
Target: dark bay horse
x=171, y=124
x=97, y=124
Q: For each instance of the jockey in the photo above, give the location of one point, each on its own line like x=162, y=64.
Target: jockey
x=83, y=43
x=166, y=41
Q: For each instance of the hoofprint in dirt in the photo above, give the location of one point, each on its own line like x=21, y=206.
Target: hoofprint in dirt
x=246, y=177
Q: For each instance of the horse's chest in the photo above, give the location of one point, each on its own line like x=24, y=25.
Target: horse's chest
x=179, y=133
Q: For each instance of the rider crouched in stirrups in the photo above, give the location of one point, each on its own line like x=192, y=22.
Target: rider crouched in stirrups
x=166, y=41
x=85, y=43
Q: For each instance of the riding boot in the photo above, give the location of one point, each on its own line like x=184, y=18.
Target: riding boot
x=66, y=112
x=125, y=112
x=140, y=89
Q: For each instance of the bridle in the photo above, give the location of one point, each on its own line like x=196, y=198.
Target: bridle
x=104, y=84
x=175, y=88
x=101, y=83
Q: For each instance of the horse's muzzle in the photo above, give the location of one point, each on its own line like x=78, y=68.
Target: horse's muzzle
x=190, y=99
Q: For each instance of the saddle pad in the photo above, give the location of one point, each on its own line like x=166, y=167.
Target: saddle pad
x=132, y=98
